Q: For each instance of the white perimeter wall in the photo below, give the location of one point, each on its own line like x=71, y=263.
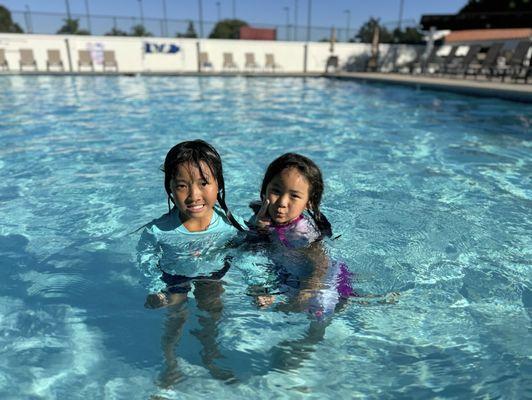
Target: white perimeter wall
x=132, y=56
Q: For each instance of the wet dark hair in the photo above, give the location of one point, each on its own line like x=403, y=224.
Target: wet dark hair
x=194, y=152
x=312, y=174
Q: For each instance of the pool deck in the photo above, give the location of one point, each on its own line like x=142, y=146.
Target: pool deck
x=521, y=91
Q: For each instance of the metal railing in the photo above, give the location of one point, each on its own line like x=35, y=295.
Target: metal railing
x=51, y=23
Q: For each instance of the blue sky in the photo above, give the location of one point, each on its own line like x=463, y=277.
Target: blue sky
x=324, y=12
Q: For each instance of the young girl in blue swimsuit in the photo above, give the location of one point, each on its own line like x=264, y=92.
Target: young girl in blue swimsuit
x=184, y=245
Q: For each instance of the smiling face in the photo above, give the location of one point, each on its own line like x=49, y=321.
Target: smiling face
x=195, y=195
x=288, y=193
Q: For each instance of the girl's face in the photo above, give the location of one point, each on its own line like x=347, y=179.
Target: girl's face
x=288, y=194
x=195, y=195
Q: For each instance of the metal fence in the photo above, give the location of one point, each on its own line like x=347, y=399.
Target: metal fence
x=51, y=23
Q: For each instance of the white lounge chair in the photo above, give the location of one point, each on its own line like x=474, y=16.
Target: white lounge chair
x=27, y=59
x=109, y=60
x=270, y=62
x=85, y=60
x=250, y=64
x=54, y=60
x=204, y=61
x=228, y=62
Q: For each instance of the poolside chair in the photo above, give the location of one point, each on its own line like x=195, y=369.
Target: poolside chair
x=445, y=64
x=461, y=66
x=54, y=60
x=109, y=60
x=516, y=68
x=488, y=64
x=204, y=61
x=406, y=67
x=332, y=62
x=250, y=63
x=228, y=62
x=269, y=62
x=26, y=59
x=85, y=60
x=3, y=61
x=424, y=63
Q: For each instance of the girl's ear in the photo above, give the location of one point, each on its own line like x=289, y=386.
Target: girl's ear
x=309, y=206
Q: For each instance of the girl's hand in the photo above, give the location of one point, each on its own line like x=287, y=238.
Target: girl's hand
x=264, y=301
x=156, y=300
x=262, y=219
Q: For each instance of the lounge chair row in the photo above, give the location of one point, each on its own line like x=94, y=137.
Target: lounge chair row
x=54, y=61
x=249, y=62
x=517, y=67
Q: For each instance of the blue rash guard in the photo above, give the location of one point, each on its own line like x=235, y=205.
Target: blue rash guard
x=167, y=248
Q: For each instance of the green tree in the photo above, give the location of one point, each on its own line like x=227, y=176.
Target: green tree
x=71, y=27
x=408, y=36
x=190, y=33
x=6, y=23
x=140, y=30
x=227, y=29
x=365, y=33
x=116, y=32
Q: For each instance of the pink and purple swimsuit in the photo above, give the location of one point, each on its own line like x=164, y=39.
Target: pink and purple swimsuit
x=298, y=234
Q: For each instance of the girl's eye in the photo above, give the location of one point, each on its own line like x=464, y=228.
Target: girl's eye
x=204, y=183
x=295, y=196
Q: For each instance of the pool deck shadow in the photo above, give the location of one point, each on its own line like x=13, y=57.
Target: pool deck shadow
x=521, y=92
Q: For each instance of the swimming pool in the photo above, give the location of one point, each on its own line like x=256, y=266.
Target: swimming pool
x=430, y=191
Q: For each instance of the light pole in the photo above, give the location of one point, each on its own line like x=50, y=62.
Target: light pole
x=234, y=9
x=200, y=9
x=88, y=15
x=68, y=9
x=141, y=13
x=401, y=5
x=287, y=9
x=218, y=10
x=165, y=18
x=295, y=19
x=348, y=24
x=308, y=19
x=29, y=24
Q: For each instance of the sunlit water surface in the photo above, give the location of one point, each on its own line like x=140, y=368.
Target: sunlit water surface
x=430, y=191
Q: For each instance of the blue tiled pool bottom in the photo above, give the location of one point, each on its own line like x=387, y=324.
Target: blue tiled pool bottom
x=431, y=193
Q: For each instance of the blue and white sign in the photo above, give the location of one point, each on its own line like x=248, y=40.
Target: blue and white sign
x=161, y=48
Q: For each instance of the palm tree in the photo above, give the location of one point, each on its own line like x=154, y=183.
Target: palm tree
x=140, y=30
x=71, y=27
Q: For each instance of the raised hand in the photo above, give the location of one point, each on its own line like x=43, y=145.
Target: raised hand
x=262, y=219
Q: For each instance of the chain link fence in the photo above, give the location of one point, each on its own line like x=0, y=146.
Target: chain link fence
x=51, y=23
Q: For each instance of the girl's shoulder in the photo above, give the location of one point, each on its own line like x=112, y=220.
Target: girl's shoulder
x=220, y=221
x=166, y=222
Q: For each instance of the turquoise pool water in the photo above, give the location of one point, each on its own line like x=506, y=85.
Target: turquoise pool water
x=430, y=191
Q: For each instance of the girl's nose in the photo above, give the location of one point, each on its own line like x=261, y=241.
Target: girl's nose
x=194, y=193
x=283, y=201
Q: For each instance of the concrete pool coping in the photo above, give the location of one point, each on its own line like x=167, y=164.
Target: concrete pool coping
x=509, y=91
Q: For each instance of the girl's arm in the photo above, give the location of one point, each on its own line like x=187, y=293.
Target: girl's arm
x=148, y=256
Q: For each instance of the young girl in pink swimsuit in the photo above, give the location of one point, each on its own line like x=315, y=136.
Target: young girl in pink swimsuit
x=290, y=217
